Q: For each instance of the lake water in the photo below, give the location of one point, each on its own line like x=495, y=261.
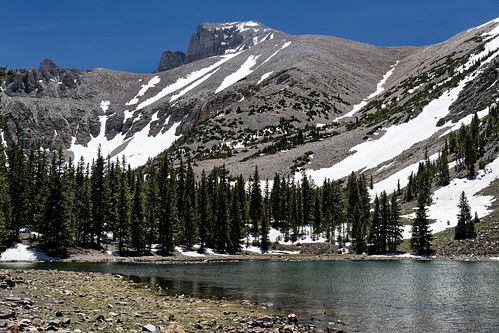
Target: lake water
x=372, y=296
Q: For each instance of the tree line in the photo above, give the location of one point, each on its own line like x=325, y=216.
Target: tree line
x=86, y=204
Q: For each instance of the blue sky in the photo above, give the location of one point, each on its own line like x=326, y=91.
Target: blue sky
x=130, y=35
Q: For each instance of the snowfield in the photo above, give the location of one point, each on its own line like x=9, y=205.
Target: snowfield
x=137, y=149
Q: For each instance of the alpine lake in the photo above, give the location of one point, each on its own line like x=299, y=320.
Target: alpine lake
x=369, y=296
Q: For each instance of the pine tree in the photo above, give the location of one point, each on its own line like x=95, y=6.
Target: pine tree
x=265, y=242
x=394, y=231
x=137, y=225
x=222, y=239
x=151, y=205
x=190, y=224
x=375, y=231
x=18, y=187
x=205, y=214
x=385, y=220
x=123, y=209
x=256, y=202
x=100, y=198
x=56, y=226
x=465, y=226
x=275, y=199
x=421, y=233
x=470, y=154
x=443, y=168
x=237, y=215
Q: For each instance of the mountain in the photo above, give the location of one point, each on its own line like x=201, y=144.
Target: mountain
x=243, y=92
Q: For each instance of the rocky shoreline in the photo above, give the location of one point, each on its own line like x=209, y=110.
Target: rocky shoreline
x=86, y=255
x=61, y=301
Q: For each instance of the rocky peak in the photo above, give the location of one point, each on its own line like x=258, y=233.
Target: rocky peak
x=211, y=39
x=47, y=64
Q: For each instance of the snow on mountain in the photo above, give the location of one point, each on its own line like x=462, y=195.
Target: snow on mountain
x=137, y=149
x=444, y=208
x=242, y=72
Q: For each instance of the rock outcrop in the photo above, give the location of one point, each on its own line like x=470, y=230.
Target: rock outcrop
x=212, y=39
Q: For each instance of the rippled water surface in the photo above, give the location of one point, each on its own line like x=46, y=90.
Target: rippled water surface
x=375, y=296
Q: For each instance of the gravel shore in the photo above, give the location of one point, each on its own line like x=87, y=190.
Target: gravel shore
x=61, y=301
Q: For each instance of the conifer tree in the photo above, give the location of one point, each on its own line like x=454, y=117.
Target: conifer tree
x=165, y=205
x=443, y=168
x=18, y=187
x=421, y=233
x=237, y=212
x=265, y=242
x=56, y=226
x=137, y=225
x=394, y=231
x=375, y=231
x=222, y=239
x=275, y=199
x=123, y=231
x=100, y=198
x=465, y=226
x=204, y=211
x=256, y=202
x=190, y=221
x=385, y=220
x=151, y=204
x=317, y=213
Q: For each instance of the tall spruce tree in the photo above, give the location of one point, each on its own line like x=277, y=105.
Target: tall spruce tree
x=123, y=231
x=137, y=225
x=465, y=226
x=421, y=233
x=57, y=227
x=375, y=231
x=100, y=198
x=394, y=232
x=256, y=202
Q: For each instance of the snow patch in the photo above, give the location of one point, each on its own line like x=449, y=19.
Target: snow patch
x=264, y=76
x=104, y=105
x=185, y=81
x=21, y=252
x=444, y=208
x=152, y=83
x=395, y=140
x=136, y=149
x=241, y=73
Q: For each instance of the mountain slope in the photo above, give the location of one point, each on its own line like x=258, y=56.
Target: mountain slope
x=247, y=89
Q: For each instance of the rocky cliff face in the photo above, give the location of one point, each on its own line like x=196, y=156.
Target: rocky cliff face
x=211, y=39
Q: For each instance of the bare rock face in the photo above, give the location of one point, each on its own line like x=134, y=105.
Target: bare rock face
x=212, y=39
x=48, y=65
x=170, y=60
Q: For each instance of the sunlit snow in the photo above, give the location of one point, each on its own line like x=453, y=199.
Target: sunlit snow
x=395, y=140
x=264, y=76
x=152, y=82
x=104, y=105
x=137, y=149
x=185, y=81
x=21, y=252
x=241, y=73
x=444, y=208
